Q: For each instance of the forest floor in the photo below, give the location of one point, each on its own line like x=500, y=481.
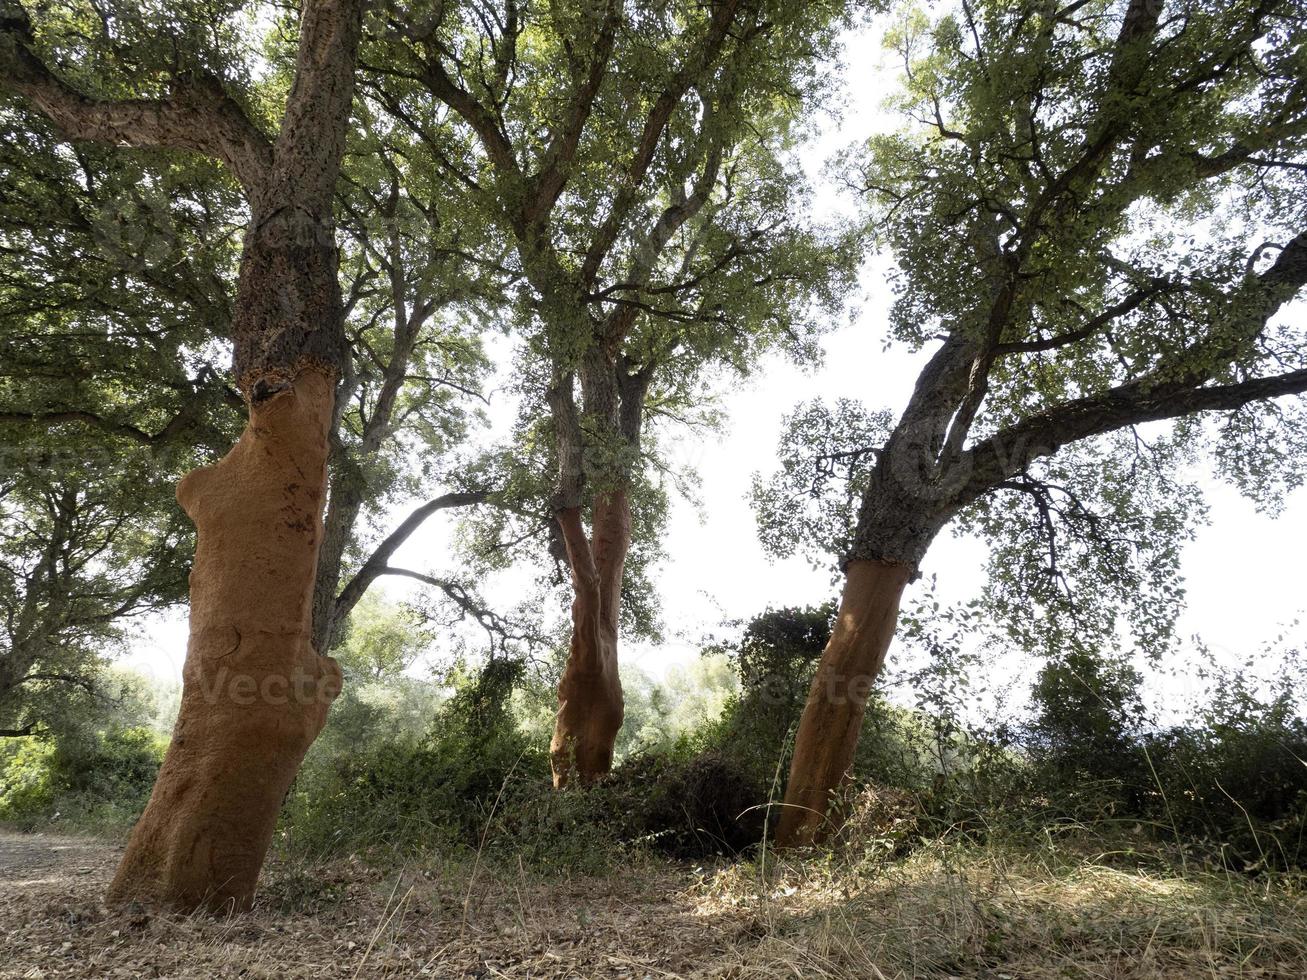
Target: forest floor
x=941, y=912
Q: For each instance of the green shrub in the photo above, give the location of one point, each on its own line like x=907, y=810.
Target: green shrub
x=685, y=804
x=1230, y=784
x=747, y=751
x=101, y=782
x=1237, y=785
x=775, y=655
x=415, y=795
x=27, y=784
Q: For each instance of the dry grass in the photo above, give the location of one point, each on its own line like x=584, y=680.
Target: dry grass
x=942, y=912
x=952, y=912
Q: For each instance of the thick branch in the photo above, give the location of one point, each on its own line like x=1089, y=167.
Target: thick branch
x=311, y=140
x=1010, y=451
x=1178, y=386
x=632, y=386
x=198, y=115
x=580, y=556
x=177, y=424
x=481, y=119
x=376, y=564
x=570, y=442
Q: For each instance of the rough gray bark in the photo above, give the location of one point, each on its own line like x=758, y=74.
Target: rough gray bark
x=343, y=507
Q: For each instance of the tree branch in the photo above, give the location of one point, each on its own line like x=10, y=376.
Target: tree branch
x=1011, y=450
x=660, y=113
x=1089, y=328
x=552, y=177
x=490, y=621
x=177, y=424
x=376, y=564
x=481, y=119
x=198, y=115
x=1177, y=386
x=311, y=139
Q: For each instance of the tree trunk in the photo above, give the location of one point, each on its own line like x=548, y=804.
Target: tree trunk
x=590, y=705
x=255, y=692
x=342, y=514
x=832, y=718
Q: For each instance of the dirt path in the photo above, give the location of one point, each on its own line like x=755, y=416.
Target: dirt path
x=346, y=920
x=28, y=858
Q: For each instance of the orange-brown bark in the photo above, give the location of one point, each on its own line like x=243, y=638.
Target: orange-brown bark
x=255, y=692
x=832, y=717
x=590, y=707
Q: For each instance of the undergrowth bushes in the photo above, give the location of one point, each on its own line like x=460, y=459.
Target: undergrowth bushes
x=1228, y=786
x=410, y=768
x=97, y=782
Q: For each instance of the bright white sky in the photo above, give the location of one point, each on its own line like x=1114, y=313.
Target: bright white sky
x=1243, y=571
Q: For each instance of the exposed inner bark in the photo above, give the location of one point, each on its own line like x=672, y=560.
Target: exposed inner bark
x=590, y=692
x=832, y=718
x=255, y=692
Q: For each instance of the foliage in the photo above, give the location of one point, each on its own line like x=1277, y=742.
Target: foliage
x=685, y=803
x=639, y=158
x=414, y=792
x=100, y=782
x=28, y=780
x=1227, y=785
x=1235, y=779
x=661, y=715
x=810, y=502
x=116, y=302
x=775, y=655
x=1096, y=218
x=82, y=549
x=1087, y=712
x=108, y=393
x=414, y=767
x=381, y=642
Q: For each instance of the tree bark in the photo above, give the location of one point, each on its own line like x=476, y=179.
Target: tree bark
x=590, y=693
x=342, y=515
x=832, y=718
x=255, y=692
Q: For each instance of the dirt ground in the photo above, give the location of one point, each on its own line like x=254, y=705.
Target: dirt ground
x=346, y=921
x=941, y=913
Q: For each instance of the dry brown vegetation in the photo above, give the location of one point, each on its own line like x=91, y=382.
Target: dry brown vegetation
x=943, y=911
